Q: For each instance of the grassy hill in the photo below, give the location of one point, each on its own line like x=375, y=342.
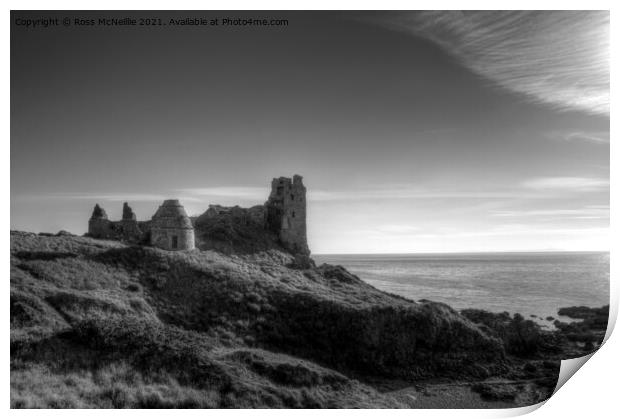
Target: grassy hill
x=101, y=324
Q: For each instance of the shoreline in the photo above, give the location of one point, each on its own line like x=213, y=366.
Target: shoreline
x=533, y=285
x=533, y=369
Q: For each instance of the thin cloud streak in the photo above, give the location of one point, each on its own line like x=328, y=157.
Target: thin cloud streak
x=596, y=137
x=398, y=228
x=529, y=189
x=589, y=212
x=591, y=137
x=536, y=188
x=503, y=230
x=316, y=195
x=239, y=192
x=402, y=193
x=560, y=58
x=113, y=197
x=577, y=184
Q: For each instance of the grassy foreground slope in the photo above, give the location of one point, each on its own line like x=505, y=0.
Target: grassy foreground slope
x=101, y=324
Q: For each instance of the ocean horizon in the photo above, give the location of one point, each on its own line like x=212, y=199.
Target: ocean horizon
x=535, y=284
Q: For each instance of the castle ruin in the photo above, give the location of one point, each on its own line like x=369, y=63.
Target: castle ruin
x=286, y=213
x=127, y=229
x=171, y=228
x=282, y=216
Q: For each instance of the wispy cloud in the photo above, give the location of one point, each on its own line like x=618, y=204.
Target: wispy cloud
x=535, y=188
x=529, y=189
x=577, y=184
x=112, y=197
x=239, y=192
x=518, y=230
x=137, y=197
x=587, y=212
x=374, y=192
x=556, y=57
x=591, y=137
x=503, y=230
x=407, y=192
x=398, y=228
x=594, y=137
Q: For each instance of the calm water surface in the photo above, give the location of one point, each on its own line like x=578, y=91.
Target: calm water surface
x=526, y=283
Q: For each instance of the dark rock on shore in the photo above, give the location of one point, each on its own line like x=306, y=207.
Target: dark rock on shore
x=519, y=336
x=596, y=318
x=522, y=337
x=535, y=353
x=590, y=330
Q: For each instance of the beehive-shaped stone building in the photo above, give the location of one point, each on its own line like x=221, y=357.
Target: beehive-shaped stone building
x=171, y=228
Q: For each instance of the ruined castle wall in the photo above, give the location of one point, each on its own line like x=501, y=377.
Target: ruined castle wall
x=128, y=229
x=286, y=213
x=100, y=228
x=123, y=230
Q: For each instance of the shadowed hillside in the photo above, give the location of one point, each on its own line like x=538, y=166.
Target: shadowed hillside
x=99, y=323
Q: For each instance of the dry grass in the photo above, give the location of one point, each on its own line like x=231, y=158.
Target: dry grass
x=188, y=325
x=118, y=385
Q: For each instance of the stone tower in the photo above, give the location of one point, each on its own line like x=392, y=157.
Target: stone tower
x=171, y=228
x=286, y=213
x=98, y=225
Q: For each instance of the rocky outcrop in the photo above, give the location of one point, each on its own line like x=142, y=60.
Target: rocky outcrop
x=591, y=328
x=235, y=230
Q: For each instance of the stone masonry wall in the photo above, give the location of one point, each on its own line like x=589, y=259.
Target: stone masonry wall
x=172, y=239
x=127, y=229
x=286, y=213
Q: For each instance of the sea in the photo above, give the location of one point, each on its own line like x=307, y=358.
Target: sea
x=535, y=285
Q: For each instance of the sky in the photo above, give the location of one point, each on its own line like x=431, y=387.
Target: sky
x=414, y=131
